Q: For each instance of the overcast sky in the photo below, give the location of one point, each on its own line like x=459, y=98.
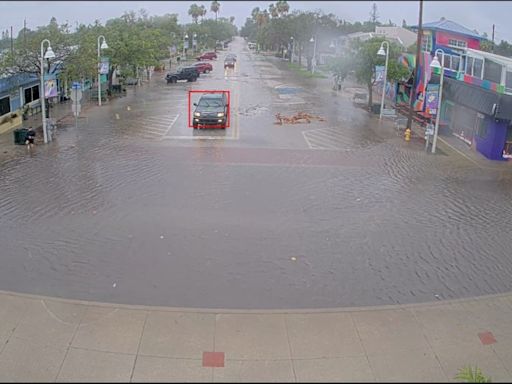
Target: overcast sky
x=479, y=15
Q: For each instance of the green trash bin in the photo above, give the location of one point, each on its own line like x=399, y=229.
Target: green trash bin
x=20, y=135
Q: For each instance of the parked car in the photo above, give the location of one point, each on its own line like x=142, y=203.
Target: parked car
x=207, y=56
x=229, y=62
x=203, y=67
x=212, y=109
x=231, y=56
x=183, y=73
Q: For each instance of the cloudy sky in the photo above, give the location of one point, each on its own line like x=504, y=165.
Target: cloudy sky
x=479, y=15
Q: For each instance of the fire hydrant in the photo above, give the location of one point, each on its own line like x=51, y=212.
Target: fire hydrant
x=407, y=134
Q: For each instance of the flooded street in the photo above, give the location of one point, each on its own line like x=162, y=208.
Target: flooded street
x=136, y=207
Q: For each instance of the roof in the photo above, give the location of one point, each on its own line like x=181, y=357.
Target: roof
x=502, y=60
x=450, y=26
x=18, y=80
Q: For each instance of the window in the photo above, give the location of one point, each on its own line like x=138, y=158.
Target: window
x=508, y=82
x=5, y=105
x=492, y=71
x=477, y=68
x=455, y=63
x=457, y=43
x=426, y=43
x=469, y=65
x=481, y=126
x=31, y=94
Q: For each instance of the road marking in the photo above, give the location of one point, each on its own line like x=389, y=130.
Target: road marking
x=128, y=108
x=170, y=125
x=199, y=137
x=117, y=116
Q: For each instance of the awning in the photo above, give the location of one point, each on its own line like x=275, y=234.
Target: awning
x=477, y=99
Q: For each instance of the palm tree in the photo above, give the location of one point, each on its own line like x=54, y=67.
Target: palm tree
x=255, y=12
x=215, y=7
x=195, y=11
x=282, y=7
x=273, y=10
x=203, y=11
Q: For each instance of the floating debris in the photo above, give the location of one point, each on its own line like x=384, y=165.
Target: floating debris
x=298, y=118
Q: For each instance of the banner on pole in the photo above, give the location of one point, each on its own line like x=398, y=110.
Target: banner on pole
x=432, y=98
x=104, y=66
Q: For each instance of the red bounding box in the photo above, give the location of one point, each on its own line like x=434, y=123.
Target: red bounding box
x=202, y=92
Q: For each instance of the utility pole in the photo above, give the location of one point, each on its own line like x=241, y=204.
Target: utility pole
x=492, y=38
x=12, y=43
x=415, y=76
x=25, y=33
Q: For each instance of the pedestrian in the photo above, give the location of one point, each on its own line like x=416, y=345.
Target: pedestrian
x=178, y=60
x=30, y=138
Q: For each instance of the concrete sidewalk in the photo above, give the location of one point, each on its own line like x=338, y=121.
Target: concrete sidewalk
x=49, y=339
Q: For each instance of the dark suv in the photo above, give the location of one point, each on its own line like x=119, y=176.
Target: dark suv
x=184, y=73
x=212, y=109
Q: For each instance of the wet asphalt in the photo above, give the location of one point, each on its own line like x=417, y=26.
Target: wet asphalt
x=135, y=207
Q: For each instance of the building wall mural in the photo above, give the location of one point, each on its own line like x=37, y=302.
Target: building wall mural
x=423, y=76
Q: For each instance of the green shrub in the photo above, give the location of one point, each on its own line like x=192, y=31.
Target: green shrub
x=468, y=375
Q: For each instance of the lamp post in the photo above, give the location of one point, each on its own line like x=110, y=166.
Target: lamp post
x=293, y=48
x=435, y=64
x=313, y=62
x=185, y=38
x=194, y=43
x=48, y=55
x=102, y=46
x=381, y=52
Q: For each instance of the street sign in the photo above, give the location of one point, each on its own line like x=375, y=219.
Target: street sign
x=76, y=94
x=76, y=85
x=76, y=108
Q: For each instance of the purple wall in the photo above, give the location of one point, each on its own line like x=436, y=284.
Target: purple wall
x=492, y=145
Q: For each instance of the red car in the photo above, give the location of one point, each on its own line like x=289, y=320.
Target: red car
x=207, y=56
x=203, y=67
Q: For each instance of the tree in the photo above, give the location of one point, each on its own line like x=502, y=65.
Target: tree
x=215, y=7
x=195, y=11
x=282, y=7
x=273, y=10
x=25, y=58
x=366, y=59
x=374, y=16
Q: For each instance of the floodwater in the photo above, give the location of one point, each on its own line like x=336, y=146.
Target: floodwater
x=135, y=207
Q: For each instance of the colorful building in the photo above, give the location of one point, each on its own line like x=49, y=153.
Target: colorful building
x=477, y=91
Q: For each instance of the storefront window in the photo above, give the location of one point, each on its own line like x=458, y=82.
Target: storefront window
x=5, y=106
x=508, y=82
x=492, y=71
x=469, y=65
x=31, y=94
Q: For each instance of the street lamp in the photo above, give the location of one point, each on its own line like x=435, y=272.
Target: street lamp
x=381, y=52
x=194, y=42
x=435, y=64
x=102, y=46
x=184, y=40
x=48, y=55
x=313, y=63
